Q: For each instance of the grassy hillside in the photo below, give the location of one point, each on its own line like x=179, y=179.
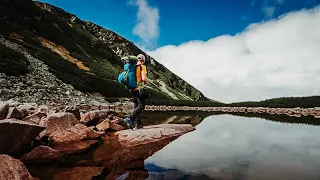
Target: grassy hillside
x=80, y=53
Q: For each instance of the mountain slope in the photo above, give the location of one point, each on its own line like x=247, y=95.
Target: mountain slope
x=78, y=53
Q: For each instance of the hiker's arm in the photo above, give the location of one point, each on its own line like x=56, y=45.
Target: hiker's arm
x=144, y=75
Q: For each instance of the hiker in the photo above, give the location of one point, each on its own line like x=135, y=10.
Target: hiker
x=138, y=94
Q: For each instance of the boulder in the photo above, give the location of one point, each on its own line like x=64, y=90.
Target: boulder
x=94, y=116
x=117, y=119
x=13, y=113
x=26, y=109
x=74, y=111
x=152, y=133
x=13, y=169
x=58, y=122
x=16, y=135
x=4, y=107
x=35, y=117
x=104, y=125
x=116, y=127
x=43, y=109
x=67, y=173
x=41, y=154
x=73, y=134
x=75, y=147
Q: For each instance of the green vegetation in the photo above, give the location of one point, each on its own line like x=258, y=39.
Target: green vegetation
x=281, y=118
x=282, y=102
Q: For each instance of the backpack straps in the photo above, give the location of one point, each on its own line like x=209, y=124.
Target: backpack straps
x=140, y=82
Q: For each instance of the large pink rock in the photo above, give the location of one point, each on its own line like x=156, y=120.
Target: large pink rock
x=41, y=154
x=152, y=133
x=13, y=169
x=58, y=122
x=16, y=135
x=73, y=134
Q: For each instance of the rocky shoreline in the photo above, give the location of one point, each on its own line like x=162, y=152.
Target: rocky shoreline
x=32, y=135
x=293, y=112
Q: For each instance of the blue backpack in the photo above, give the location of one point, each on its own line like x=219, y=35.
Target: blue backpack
x=128, y=76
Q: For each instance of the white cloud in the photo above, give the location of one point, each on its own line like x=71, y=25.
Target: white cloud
x=278, y=58
x=269, y=11
x=147, y=27
x=280, y=1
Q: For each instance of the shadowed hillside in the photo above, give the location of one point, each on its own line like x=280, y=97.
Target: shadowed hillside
x=78, y=53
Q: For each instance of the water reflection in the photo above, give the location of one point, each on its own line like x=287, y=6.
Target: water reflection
x=233, y=147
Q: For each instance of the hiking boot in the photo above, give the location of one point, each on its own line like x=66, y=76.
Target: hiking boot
x=138, y=125
x=128, y=122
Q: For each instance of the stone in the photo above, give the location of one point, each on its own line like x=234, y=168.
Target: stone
x=152, y=133
x=116, y=127
x=58, y=122
x=16, y=135
x=73, y=134
x=74, y=111
x=104, y=125
x=13, y=113
x=87, y=117
x=43, y=109
x=13, y=169
x=41, y=154
x=117, y=119
x=26, y=109
x=76, y=147
x=4, y=107
x=35, y=117
x=68, y=173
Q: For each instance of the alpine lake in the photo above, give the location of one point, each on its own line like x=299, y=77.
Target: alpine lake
x=240, y=147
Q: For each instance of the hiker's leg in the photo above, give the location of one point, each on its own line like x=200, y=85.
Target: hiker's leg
x=129, y=120
x=135, y=102
x=139, y=109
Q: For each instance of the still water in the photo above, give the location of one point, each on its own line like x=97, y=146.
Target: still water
x=240, y=148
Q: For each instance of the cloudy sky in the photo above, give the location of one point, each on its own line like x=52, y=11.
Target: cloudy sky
x=232, y=50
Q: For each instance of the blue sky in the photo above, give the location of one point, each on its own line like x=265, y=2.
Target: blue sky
x=181, y=20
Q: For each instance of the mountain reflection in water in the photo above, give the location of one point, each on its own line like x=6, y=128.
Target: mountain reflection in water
x=242, y=148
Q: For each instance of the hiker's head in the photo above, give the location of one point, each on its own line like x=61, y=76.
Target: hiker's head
x=141, y=59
